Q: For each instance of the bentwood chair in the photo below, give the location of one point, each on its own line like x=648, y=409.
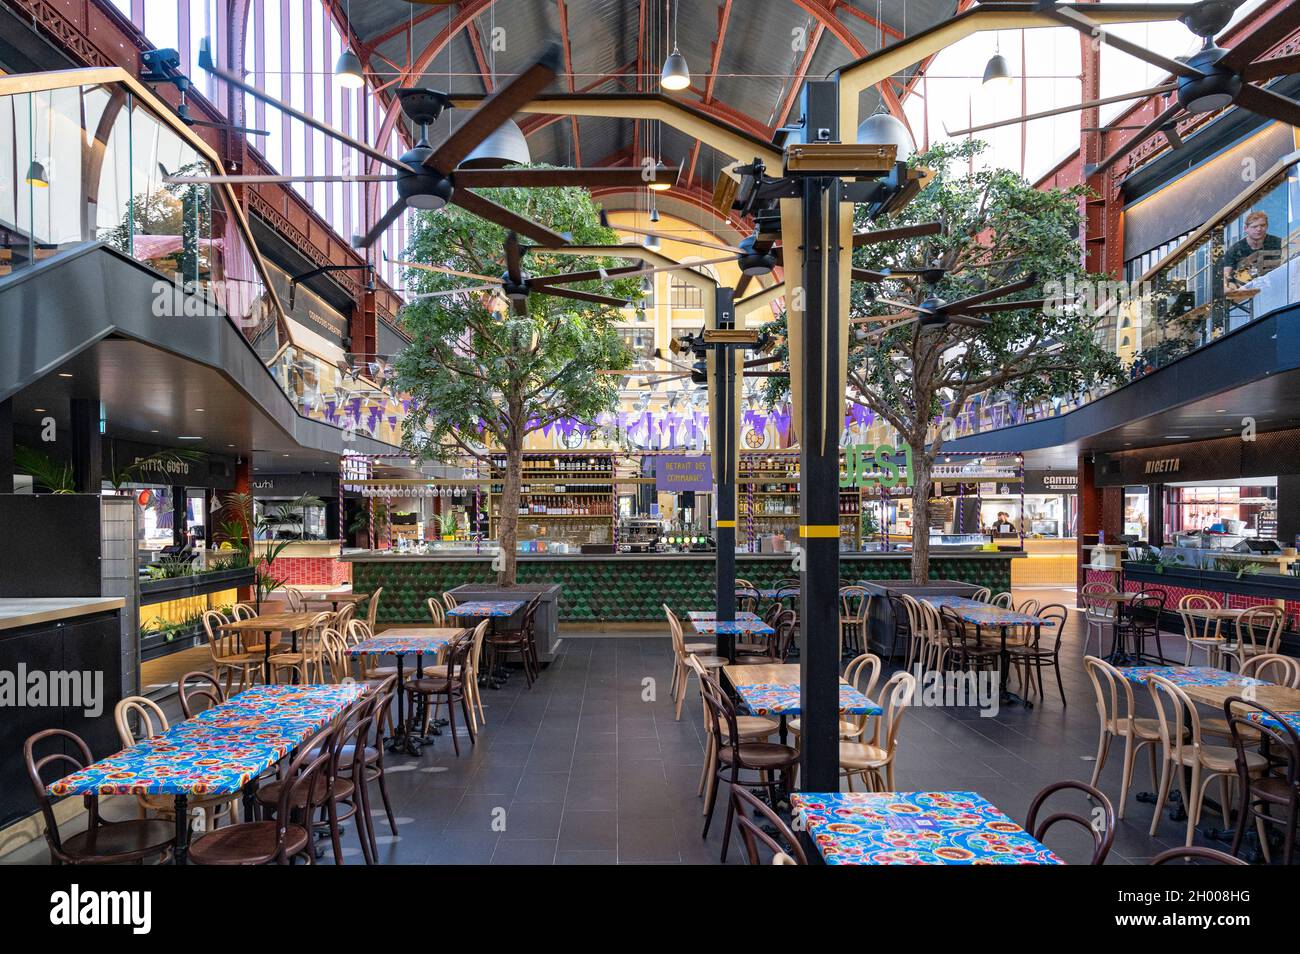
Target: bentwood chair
x=960, y=645
x=149, y=720
x=519, y=642
x=1259, y=633
x=903, y=616
x=982, y=594
x=1195, y=855
x=874, y=761
x=1275, y=668
x=1101, y=840
x=735, y=755
x=436, y=611
x=435, y=689
x=751, y=729
x=1119, y=720
x=295, y=602
x=227, y=654
x=373, y=753
x=1098, y=615
x=786, y=624
x=1002, y=599
x=746, y=805
x=1043, y=647
x=334, y=656
x=1142, y=622
x=305, y=662
x=195, y=686
x=102, y=842
x=1182, y=753
x=1262, y=792
x=1202, y=630
x=855, y=602
x=862, y=673
x=704, y=652
x=288, y=835
x=448, y=600
x=476, y=712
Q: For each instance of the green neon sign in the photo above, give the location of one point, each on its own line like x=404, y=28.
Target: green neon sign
x=868, y=466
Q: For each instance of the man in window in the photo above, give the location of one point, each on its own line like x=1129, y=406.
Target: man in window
x=1253, y=254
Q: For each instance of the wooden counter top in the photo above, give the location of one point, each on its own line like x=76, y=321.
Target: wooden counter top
x=32, y=611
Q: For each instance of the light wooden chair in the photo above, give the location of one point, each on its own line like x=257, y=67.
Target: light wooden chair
x=334, y=656
x=1002, y=599
x=855, y=602
x=1117, y=712
x=242, y=611
x=344, y=616
x=681, y=650
x=1259, y=633
x=448, y=600
x=372, y=607
x=295, y=602
x=1184, y=751
x=874, y=761
x=306, y=662
x=1098, y=615
x=477, y=714
x=1029, y=606
x=227, y=653
x=151, y=721
x=436, y=611
x=982, y=594
x=862, y=673
x=1201, y=631
x=1275, y=668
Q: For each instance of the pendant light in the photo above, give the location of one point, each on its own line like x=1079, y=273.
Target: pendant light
x=675, y=76
x=883, y=129
x=505, y=145
x=347, y=68
x=36, y=175
x=997, y=72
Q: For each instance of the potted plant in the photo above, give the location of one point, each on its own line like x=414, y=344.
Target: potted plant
x=447, y=525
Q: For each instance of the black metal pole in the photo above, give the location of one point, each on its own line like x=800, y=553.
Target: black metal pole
x=725, y=378
x=819, y=456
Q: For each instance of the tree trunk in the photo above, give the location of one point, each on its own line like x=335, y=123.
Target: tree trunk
x=508, y=533
x=920, y=514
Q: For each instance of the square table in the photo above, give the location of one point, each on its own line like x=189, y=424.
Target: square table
x=491, y=610
x=335, y=597
x=915, y=828
x=400, y=643
x=745, y=624
x=268, y=623
x=774, y=690
x=1212, y=687
x=980, y=615
x=218, y=752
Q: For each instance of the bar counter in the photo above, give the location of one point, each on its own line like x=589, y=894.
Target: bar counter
x=632, y=587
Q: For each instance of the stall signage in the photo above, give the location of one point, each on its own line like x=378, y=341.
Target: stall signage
x=679, y=472
x=869, y=466
x=1051, y=482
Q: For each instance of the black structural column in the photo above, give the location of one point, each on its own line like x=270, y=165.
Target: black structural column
x=7, y=446
x=725, y=455
x=180, y=513
x=87, y=456
x=819, y=459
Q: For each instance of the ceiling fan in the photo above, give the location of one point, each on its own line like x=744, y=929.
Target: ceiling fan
x=933, y=312
x=516, y=285
x=428, y=178
x=1208, y=80
x=697, y=373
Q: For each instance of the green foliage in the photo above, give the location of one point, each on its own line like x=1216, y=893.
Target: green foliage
x=447, y=524
x=470, y=367
x=171, y=568
x=44, y=470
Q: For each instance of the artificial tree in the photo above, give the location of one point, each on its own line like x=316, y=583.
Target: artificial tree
x=997, y=228
x=480, y=376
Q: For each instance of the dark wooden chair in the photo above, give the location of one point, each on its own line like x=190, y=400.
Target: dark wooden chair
x=1043, y=648
x=438, y=688
x=1279, y=788
x=287, y=836
x=1193, y=854
x=102, y=843
x=746, y=805
x=195, y=686
x=373, y=753
x=963, y=648
x=732, y=755
x=1140, y=622
x=1101, y=840
x=520, y=642
x=786, y=625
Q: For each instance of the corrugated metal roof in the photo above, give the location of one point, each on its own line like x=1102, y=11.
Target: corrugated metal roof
x=756, y=68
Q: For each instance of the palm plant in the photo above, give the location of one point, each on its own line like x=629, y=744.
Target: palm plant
x=44, y=470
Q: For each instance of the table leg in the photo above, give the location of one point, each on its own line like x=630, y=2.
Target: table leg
x=784, y=730
x=293, y=648
x=1004, y=663
x=250, y=800
x=266, y=660
x=182, y=850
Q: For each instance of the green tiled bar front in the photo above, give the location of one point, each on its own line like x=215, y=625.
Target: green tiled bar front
x=631, y=588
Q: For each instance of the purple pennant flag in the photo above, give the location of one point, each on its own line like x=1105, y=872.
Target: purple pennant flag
x=392, y=420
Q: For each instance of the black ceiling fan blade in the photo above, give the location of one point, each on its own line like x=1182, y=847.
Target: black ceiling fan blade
x=1171, y=133
x=514, y=264
x=496, y=109
x=1266, y=69
x=1150, y=129
x=739, y=291
x=995, y=307
x=1059, y=110
x=585, y=296
x=1282, y=24
x=487, y=209
x=894, y=234
x=1091, y=28
x=759, y=362
x=379, y=228
x=1271, y=105
x=591, y=177
x=968, y=322
x=246, y=130
x=205, y=61
x=869, y=275
x=588, y=275
x=961, y=304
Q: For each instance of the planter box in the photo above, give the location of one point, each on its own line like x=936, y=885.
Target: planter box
x=159, y=591
x=882, y=624
x=155, y=645
x=546, y=625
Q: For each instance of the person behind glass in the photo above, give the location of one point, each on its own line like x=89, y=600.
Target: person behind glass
x=1003, y=526
x=1253, y=254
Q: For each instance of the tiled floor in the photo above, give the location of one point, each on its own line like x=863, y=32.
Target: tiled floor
x=590, y=767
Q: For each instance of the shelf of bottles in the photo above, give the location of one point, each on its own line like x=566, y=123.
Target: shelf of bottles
x=565, y=497
x=769, y=500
